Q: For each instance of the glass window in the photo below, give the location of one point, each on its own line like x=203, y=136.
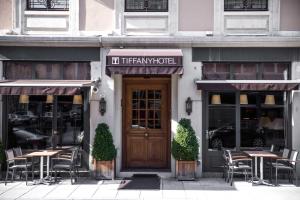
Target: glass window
x=30, y=121
x=262, y=121
x=246, y=5
x=221, y=131
x=146, y=5
x=47, y=4
x=245, y=71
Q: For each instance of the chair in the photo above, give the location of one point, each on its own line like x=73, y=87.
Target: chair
x=66, y=164
x=15, y=163
x=286, y=165
x=238, y=164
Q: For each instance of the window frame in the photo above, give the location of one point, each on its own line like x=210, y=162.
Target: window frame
x=245, y=8
x=145, y=8
x=48, y=8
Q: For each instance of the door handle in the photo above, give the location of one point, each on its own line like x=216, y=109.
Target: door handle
x=146, y=135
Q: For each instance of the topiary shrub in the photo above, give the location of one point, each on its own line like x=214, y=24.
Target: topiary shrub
x=103, y=147
x=185, y=144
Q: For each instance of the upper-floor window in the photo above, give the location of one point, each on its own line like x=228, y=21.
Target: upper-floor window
x=245, y=5
x=47, y=4
x=146, y=5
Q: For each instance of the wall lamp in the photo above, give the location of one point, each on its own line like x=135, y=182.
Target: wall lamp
x=188, y=105
x=102, y=106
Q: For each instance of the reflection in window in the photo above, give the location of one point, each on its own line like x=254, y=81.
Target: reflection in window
x=221, y=131
x=262, y=121
x=30, y=125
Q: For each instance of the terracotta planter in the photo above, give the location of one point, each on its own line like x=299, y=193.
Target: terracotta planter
x=186, y=170
x=104, y=169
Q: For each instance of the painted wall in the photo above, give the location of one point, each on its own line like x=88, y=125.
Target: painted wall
x=196, y=15
x=296, y=112
x=290, y=15
x=6, y=14
x=96, y=15
x=187, y=88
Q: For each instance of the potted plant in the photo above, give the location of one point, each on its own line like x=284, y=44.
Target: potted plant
x=185, y=150
x=104, y=152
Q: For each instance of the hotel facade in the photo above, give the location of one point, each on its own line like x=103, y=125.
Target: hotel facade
x=136, y=64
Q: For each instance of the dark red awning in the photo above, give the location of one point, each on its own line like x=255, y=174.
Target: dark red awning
x=42, y=87
x=144, y=61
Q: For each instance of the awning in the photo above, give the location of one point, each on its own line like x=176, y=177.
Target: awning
x=248, y=85
x=42, y=87
x=144, y=61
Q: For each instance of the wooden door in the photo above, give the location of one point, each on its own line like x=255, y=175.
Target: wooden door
x=146, y=137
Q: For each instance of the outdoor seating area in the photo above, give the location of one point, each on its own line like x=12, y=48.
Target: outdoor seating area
x=37, y=162
x=251, y=163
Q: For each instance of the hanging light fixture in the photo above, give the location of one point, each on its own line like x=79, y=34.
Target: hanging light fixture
x=102, y=106
x=77, y=99
x=216, y=99
x=243, y=99
x=24, y=98
x=50, y=99
x=270, y=100
x=188, y=105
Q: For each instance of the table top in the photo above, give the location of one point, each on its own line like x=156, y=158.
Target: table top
x=42, y=153
x=261, y=154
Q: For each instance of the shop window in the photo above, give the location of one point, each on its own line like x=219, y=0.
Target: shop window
x=30, y=123
x=245, y=5
x=47, y=70
x=48, y=5
x=245, y=71
x=146, y=5
x=221, y=131
x=262, y=120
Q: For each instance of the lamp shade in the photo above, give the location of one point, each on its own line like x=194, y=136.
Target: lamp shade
x=24, y=99
x=243, y=99
x=77, y=99
x=270, y=100
x=50, y=99
x=216, y=99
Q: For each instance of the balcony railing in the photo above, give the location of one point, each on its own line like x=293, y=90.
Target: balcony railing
x=48, y=5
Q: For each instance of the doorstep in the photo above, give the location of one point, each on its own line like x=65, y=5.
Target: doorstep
x=130, y=173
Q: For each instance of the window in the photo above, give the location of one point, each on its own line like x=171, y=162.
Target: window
x=246, y=5
x=245, y=71
x=146, y=5
x=48, y=5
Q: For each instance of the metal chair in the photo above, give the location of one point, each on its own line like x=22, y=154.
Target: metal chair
x=286, y=165
x=238, y=165
x=15, y=163
x=66, y=164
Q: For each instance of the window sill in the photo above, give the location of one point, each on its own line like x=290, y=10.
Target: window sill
x=146, y=13
x=45, y=12
x=254, y=13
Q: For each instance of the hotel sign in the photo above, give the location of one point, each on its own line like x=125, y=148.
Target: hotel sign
x=144, y=61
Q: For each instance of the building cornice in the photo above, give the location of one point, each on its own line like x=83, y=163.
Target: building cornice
x=50, y=41
x=149, y=41
x=208, y=41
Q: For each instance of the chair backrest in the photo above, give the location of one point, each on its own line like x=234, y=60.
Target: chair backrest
x=293, y=157
x=285, y=153
x=272, y=149
x=229, y=156
x=18, y=151
x=74, y=155
x=9, y=156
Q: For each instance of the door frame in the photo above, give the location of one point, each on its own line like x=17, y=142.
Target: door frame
x=142, y=79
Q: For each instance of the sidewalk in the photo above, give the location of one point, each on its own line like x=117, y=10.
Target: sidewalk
x=204, y=189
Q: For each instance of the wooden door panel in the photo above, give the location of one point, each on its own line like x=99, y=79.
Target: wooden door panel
x=157, y=151
x=136, y=151
x=146, y=124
